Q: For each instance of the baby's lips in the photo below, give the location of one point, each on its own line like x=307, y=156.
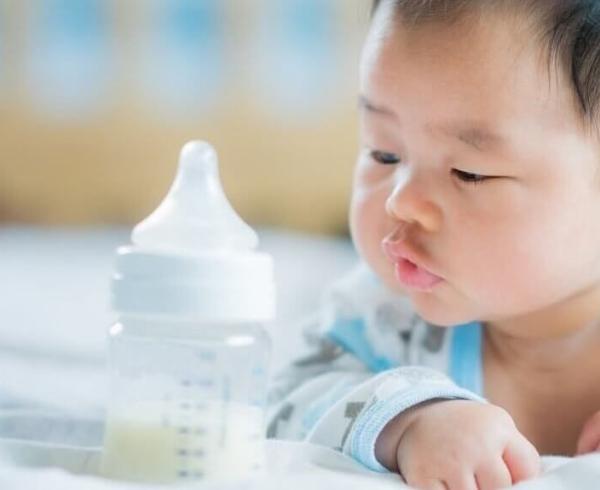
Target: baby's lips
x=397, y=251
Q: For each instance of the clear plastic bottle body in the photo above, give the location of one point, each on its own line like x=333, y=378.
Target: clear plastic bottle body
x=188, y=400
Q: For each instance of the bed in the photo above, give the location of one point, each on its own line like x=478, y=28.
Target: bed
x=55, y=313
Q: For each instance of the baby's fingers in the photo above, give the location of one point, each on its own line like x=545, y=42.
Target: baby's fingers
x=589, y=439
x=462, y=481
x=522, y=459
x=429, y=484
x=493, y=476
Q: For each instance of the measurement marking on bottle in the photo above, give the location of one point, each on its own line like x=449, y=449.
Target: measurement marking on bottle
x=195, y=383
x=206, y=356
x=205, y=383
x=193, y=452
x=190, y=474
x=187, y=430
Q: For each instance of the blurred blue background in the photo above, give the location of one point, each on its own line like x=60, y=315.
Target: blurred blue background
x=98, y=96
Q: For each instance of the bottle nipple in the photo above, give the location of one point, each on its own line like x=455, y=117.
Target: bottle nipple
x=195, y=216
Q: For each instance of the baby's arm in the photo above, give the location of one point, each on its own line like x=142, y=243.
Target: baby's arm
x=416, y=422
x=457, y=445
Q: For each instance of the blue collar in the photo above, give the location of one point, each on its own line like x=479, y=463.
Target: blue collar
x=465, y=357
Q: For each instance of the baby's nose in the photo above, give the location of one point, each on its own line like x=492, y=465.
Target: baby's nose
x=411, y=202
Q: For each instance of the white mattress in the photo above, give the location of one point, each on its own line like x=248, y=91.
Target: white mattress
x=53, y=319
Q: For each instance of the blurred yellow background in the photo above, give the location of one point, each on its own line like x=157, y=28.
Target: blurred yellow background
x=98, y=96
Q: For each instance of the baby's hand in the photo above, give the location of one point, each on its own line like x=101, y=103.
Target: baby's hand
x=463, y=445
x=589, y=439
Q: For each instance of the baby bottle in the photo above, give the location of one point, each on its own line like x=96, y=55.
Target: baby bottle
x=188, y=355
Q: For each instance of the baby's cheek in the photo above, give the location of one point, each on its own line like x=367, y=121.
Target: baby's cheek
x=369, y=224
x=363, y=226
x=517, y=283
x=487, y=274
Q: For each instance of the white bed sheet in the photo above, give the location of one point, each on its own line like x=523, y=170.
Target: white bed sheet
x=298, y=466
x=53, y=318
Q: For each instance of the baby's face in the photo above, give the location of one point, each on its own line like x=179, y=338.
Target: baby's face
x=475, y=161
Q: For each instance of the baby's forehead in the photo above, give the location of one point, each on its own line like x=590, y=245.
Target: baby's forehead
x=469, y=78
x=561, y=38
x=487, y=29
x=478, y=61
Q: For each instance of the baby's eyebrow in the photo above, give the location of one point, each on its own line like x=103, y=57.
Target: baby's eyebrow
x=369, y=106
x=474, y=134
x=479, y=136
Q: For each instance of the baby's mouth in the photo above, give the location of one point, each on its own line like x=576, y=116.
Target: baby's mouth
x=409, y=268
x=412, y=276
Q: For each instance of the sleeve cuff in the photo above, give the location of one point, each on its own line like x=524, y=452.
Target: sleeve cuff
x=372, y=421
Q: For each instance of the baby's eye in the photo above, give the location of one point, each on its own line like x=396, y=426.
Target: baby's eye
x=384, y=157
x=469, y=177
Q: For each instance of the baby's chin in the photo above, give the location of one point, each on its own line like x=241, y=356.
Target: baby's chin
x=434, y=310
x=434, y=307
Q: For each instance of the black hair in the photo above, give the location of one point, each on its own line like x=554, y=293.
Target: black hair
x=570, y=29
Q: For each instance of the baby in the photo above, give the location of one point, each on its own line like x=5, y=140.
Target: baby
x=468, y=341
